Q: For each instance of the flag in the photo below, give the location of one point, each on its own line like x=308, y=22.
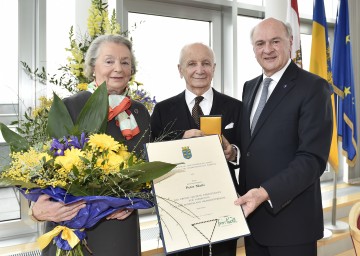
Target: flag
x=320, y=64
x=343, y=78
x=293, y=20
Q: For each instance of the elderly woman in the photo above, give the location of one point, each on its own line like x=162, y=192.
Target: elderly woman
x=109, y=59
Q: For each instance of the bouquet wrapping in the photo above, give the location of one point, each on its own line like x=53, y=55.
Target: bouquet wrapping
x=97, y=208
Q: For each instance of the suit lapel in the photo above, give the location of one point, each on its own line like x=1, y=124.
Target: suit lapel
x=283, y=87
x=182, y=112
x=217, y=103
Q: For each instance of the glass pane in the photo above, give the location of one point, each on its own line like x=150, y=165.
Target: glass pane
x=57, y=36
x=10, y=209
x=305, y=50
x=253, y=2
x=157, y=50
x=9, y=68
x=10, y=204
x=9, y=197
x=248, y=67
x=306, y=8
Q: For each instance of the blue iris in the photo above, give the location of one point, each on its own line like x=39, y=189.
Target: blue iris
x=59, y=146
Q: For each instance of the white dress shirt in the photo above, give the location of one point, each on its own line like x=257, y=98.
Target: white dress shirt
x=205, y=104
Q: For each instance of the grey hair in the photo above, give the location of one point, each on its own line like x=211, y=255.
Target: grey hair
x=185, y=48
x=93, y=53
x=287, y=26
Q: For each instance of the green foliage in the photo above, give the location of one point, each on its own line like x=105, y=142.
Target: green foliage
x=32, y=127
x=129, y=180
x=16, y=142
x=93, y=117
x=60, y=123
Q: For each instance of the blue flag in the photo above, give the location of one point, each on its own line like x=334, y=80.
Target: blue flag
x=343, y=79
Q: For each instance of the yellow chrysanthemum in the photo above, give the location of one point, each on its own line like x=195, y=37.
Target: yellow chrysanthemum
x=109, y=163
x=70, y=159
x=124, y=154
x=103, y=142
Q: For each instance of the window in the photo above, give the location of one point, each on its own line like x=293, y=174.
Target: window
x=9, y=44
x=57, y=37
x=13, y=213
x=306, y=8
x=157, y=50
x=9, y=102
x=248, y=67
x=306, y=50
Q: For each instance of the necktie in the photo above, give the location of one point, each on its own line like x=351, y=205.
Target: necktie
x=196, y=111
x=262, y=102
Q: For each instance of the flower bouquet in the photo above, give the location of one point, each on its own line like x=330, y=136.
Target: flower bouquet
x=80, y=162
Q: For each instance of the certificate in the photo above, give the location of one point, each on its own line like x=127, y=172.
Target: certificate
x=195, y=201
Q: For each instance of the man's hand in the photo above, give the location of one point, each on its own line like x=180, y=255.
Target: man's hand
x=229, y=150
x=192, y=133
x=252, y=199
x=120, y=214
x=45, y=209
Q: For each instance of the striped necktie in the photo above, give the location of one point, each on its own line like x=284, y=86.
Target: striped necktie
x=196, y=111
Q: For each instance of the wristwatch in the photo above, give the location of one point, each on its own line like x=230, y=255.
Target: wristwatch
x=30, y=213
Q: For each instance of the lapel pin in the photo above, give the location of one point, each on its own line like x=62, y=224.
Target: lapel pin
x=285, y=86
x=136, y=111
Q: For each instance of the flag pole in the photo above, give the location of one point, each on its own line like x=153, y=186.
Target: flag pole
x=335, y=225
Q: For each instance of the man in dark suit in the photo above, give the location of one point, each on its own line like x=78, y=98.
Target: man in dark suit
x=172, y=118
x=285, y=152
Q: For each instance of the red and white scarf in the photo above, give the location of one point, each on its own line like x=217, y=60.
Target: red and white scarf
x=119, y=108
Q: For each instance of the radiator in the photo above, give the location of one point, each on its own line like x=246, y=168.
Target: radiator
x=32, y=253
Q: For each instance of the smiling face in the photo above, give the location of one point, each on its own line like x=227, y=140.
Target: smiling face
x=113, y=66
x=197, y=67
x=271, y=45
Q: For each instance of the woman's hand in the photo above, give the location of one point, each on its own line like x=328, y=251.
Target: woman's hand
x=46, y=210
x=120, y=214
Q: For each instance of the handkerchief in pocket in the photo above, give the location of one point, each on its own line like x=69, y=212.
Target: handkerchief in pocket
x=229, y=126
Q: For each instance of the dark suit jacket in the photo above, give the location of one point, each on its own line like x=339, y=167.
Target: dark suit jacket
x=286, y=155
x=171, y=118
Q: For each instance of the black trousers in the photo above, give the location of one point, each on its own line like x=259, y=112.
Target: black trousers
x=227, y=248
x=253, y=248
